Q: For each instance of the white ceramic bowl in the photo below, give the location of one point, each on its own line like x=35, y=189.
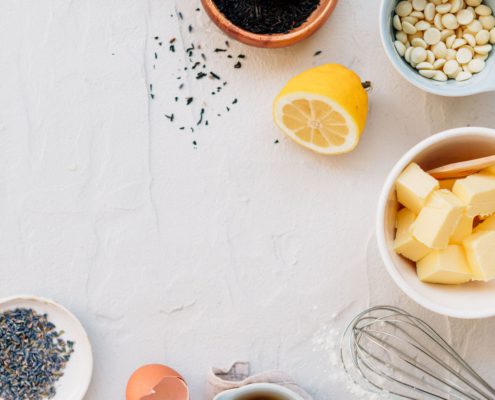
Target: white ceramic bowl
x=479, y=83
x=472, y=300
x=74, y=384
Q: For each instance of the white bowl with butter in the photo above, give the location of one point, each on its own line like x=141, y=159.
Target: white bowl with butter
x=470, y=300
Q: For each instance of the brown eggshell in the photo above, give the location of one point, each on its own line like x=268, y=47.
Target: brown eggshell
x=156, y=382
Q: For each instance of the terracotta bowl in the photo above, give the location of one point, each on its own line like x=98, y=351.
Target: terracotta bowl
x=314, y=22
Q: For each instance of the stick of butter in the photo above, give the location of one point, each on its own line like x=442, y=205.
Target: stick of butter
x=480, y=252
x=463, y=229
x=478, y=193
x=437, y=221
x=404, y=242
x=414, y=186
x=447, y=266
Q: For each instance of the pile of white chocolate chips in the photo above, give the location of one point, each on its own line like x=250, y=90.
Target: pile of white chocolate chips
x=444, y=39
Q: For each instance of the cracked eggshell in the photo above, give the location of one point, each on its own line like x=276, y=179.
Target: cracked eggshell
x=156, y=382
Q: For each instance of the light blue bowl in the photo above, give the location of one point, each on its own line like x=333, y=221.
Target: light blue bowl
x=479, y=83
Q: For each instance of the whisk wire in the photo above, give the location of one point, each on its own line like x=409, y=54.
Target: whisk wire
x=389, y=348
x=429, y=355
x=374, y=368
x=393, y=351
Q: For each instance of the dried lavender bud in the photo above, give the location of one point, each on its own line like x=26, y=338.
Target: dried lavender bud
x=33, y=355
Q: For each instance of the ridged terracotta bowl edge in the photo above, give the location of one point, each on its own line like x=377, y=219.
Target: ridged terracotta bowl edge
x=314, y=22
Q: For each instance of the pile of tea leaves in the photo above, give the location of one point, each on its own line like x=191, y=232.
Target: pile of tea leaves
x=267, y=16
x=203, y=63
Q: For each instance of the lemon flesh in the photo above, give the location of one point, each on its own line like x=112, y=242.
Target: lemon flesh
x=323, y=109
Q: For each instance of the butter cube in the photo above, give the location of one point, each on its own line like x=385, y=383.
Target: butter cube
x=478, y=193
x=480, y=252
x=487, y=225
x=414, y=186
x=404, y=243
x=463, y=230
x=447, y=266
x=437, y=221
x=447, y=184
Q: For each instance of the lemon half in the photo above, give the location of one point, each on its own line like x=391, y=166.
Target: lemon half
x=323, y=109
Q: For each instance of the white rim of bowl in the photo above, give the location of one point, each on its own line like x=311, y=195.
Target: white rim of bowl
x=70, y=315
x=380, y=221
x=253, y=387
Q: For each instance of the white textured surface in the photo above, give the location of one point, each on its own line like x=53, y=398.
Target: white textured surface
x=237, y=249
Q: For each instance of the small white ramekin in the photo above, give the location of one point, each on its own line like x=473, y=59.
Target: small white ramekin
x=479, y=83
x=468, y=301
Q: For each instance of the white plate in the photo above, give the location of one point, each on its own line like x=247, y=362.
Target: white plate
x=74, y=384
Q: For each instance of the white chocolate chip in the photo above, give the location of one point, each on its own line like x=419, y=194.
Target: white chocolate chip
x=444, y=8
x=446, y=33
x=407, y=56
x=481, y=57
x=437, y=21
x=485, y=49
x=464, y=17
x=440, y=76
x=428, y=73
x=422, y=25
x=470, y=39
x=418, y=42
x=432, y=36
x=401, y=37
x=475, y=26
x=417, y=14
x=450, y=41
x=400, y=47
x=419, y=5
x=418, y=55
x=439, y=49
x=396, y=23
x=487, y=22
x=430, y=57
x=463, y=76
x=430, y=12
x=482, y=37
x=438, y=64
x=492, y=36
x=458, y=43
x=451, y=54
x=473, y=3
x=411, y=20
x=476, y=66
x=424, y=65
x=403, y=9
x=451, y=67
x=408, y=28
x=464, y=55
x=456, y=6
x=450, y=21
x=483, y=9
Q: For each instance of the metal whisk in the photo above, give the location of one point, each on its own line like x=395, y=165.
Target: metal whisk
x=387, y=349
